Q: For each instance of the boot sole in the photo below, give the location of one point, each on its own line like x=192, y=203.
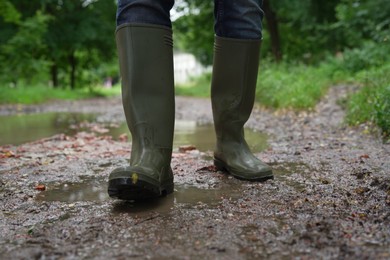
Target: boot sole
x=125, y=189
x=221, y=166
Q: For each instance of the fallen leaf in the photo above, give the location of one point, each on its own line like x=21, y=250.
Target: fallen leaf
x=7, y=154
x=210, y=168
x=40, y=187
x=186, y=148
x=123, y=137
x=99, y=129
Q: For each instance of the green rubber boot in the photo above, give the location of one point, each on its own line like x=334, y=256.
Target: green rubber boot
x=233, y=90
x=146, y=64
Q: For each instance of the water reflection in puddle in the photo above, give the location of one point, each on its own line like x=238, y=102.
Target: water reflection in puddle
x=95, y=190
x=92, y=189
x=18, y=129
x=201, y=136
x=89, y=189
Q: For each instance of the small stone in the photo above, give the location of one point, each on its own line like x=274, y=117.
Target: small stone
x=324, y=181
x=362, y=190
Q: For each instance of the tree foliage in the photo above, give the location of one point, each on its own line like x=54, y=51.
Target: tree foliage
x=63, y=39
x=70, y=43
x=23, y=52
x=363, y=20
x=8, y=12
x=194, y=28
x=299, y=30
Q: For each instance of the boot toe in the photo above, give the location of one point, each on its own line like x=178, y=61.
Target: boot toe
x=255, y=171
x=137, y=183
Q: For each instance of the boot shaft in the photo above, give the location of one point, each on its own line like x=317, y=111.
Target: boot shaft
x=233, y=84
x=146, y=64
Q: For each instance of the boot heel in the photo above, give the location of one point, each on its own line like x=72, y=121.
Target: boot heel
x=168, y=189
x=219, y=165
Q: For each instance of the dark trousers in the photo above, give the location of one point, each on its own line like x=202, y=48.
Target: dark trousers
x=240, y=19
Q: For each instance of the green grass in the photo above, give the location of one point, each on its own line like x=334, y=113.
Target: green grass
x=40, y=94
x=372, y=102
x=279, y=85
x=298, y=86
x=291, y=86
x=197, y=87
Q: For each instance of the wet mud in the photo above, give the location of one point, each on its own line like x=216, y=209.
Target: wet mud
x=330, y=197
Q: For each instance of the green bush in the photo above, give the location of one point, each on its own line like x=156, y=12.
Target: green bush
x=370, y=55
x=294, y=86
x=372, y=102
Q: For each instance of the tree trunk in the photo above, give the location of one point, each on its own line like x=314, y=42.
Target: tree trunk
x=272, y=23
x=54, y=75
x=72, y=61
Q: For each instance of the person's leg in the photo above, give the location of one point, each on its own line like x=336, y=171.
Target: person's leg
x=239, y=19
x=235, y=68
x=144, y=43
x=144, y=11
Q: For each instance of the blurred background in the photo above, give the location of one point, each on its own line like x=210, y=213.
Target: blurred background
x=57, y=49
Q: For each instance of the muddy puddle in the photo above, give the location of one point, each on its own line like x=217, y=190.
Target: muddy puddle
x=95, y=190
x=19, y=129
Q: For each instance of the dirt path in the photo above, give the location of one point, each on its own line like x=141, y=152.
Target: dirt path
x=330, y=197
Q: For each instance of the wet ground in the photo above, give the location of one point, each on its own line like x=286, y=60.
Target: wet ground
x=32, y=127
x=330, y=197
